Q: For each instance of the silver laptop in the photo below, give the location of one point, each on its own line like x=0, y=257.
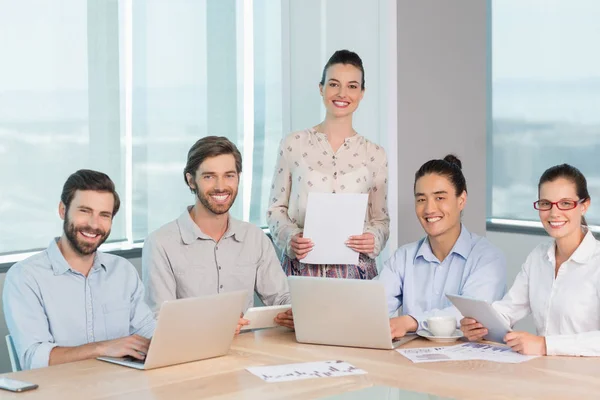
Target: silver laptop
x=190, y=330
x=342, y=312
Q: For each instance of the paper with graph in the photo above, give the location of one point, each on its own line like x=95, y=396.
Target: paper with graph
x=294, y=372
x=463, y=352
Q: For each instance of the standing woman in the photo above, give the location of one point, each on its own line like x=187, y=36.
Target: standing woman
x=559, y=283
x=331, y=157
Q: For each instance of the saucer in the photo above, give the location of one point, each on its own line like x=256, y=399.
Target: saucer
x=440, y=339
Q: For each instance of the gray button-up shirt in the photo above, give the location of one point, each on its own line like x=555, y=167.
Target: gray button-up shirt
x=179, y=261
x=48, y=304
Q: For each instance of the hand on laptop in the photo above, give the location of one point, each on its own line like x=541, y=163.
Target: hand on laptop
x=301, y=246
x=133, y=346
x=286, y=319
x=400, y=326
x=472, y=329
x=241, y=322
x=364, y=243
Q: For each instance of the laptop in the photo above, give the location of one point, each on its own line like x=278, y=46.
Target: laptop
x=190, y=329
x=342, y=312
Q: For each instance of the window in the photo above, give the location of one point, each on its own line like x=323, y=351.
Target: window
x=126, y=87
x=198, y=69
x=59, y=98
x=545, y=99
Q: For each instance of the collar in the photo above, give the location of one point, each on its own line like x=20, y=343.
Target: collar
x=190, y=232
x=462, y=247
x=59, y=263
x=582, y=255
x=320, y=136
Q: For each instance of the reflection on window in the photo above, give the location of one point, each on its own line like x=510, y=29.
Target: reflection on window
x=545, y=99
x=126, y=87
x=59, y=111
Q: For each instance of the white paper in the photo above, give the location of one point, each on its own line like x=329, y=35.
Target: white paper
x=294, y=372
x=463, y=352
x=427, y=354
x=330, y=220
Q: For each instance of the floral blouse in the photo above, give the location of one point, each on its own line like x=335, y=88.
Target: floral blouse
x=307, y=163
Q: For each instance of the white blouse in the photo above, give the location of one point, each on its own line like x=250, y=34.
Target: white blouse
x=307, y=163
x=566, y=310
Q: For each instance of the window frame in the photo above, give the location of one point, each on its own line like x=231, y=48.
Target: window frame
x=494, y=224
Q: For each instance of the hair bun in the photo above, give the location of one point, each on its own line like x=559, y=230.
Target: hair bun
x=452, y=159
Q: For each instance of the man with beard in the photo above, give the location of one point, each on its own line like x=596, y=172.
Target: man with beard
x=207, y=251
x=71, y=302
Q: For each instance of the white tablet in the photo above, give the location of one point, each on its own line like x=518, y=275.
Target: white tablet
x=485, y=314
x=262, y=317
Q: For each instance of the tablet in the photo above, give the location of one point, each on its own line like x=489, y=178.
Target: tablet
x=262, y=317
x=485, y=314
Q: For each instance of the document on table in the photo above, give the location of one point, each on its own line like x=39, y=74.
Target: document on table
x=465, y=351
x=330, y=220
x=293, y=372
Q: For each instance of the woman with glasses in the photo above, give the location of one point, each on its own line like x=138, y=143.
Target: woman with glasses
x=559, y=282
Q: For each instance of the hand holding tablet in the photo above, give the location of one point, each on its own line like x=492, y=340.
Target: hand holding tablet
x=263, y=317
x=485, y=314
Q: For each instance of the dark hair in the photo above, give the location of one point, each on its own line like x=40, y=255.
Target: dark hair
x=570, y=173
x=207, y=147
x=346, y=57
x=87, y=179
x=450, y=167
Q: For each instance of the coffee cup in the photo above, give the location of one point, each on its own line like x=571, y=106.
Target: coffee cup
x=441, y=326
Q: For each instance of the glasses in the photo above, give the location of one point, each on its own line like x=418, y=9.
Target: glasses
x=545, y=205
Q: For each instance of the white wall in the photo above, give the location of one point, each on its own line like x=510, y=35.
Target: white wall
x=441, y=99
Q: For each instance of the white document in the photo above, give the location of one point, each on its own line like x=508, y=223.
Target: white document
x=330, y=220
x=294, y=372
x=428, y=354
x=463, y=352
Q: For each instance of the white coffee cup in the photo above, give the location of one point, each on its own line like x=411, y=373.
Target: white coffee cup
x=441, y=326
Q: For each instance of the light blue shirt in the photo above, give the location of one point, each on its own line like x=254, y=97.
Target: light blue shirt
x=416, y=280
x=48, y=304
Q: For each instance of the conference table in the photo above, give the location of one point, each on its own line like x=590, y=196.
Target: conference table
x=226, y=378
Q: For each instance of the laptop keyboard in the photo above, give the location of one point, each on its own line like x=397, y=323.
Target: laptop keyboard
x=133, y=360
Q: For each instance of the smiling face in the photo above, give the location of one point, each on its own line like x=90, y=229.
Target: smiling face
x=561, y=223
x=216, y=183
x=88, y=220
x=437, y=206
x=342, y=89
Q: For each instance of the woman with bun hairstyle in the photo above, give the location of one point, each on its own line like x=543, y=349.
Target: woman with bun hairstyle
x=450, y=259
x=330, y=157
x=559, y=283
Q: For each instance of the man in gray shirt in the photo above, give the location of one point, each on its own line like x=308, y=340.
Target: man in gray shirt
x=207, y=251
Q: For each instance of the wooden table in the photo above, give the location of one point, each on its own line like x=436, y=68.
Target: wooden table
x=225, y=377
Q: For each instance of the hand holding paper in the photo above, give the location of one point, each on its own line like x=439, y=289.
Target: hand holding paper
x=364, y=243
x=301, y=246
